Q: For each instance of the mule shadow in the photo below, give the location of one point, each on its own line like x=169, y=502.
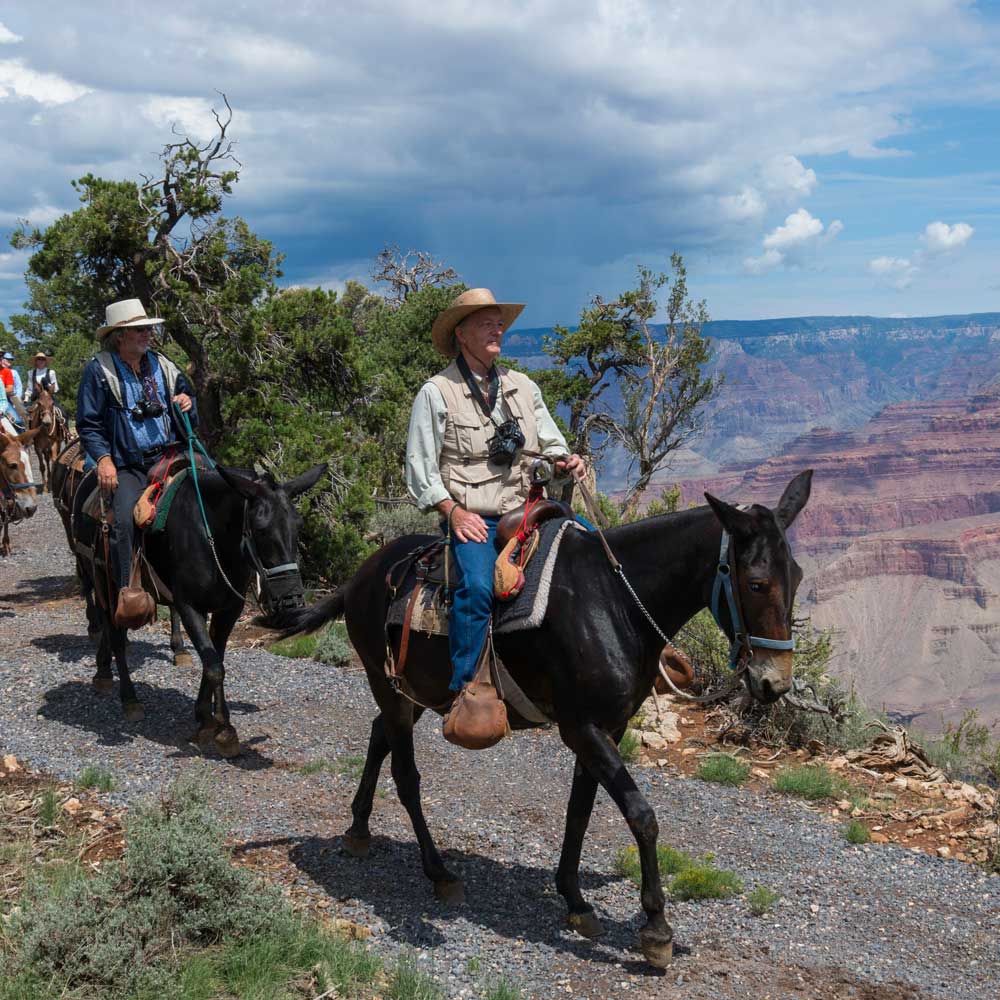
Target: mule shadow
x=169, y=720
x=43, y=588
x=73, y=648
x=513, y=900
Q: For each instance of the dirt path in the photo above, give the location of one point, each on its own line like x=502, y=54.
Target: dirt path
x=875, y=921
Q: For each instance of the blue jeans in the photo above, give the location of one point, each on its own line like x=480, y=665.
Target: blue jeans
x=473, y=604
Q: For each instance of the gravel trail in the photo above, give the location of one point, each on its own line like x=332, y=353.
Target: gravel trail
x=860, y=922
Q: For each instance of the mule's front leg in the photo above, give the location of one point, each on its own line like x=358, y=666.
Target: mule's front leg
x=598, y=753
x=213, y=721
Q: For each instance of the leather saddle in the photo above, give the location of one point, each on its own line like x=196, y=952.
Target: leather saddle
x=157, y=478
x=517, y=540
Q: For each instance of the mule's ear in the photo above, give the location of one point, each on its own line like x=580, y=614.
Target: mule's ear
x=29, y=435
x=247, y=488
x=794, y=498
x=306, y=481
x=734, y=520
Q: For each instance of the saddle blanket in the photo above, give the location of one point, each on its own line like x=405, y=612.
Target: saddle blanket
x=430, y=615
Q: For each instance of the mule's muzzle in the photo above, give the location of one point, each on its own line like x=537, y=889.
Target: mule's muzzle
x=281, y=591
x=769, y=676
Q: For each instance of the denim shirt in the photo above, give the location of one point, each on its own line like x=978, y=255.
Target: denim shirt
x=151, y=431
x=105, y=428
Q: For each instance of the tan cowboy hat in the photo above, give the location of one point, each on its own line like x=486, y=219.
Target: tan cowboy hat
x=443, y=331
x=42, y=355
x=128, y=312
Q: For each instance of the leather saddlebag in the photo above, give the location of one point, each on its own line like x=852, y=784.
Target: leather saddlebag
x=477, y=718
x=136, y=606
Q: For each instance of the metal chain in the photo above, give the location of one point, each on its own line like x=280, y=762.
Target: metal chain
x=705, y=699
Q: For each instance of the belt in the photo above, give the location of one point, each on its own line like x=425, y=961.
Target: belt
x=158, y=450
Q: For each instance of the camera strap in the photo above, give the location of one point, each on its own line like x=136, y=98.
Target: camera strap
x=477, y=394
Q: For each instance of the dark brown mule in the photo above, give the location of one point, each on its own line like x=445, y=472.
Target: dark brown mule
x=17, y=499
x=591, y=663
x=67, y=473
x=51, y=435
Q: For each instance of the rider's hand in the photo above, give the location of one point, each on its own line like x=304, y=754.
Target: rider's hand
x=572, y=465
x=468, y=527
x=107, y=475
x=183, y=400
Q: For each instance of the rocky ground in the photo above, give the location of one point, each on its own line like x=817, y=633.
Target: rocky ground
x=873, y=921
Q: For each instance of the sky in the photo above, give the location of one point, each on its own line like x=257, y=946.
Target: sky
x=805, y=158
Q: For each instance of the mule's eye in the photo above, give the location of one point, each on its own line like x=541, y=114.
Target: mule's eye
x=757, y=587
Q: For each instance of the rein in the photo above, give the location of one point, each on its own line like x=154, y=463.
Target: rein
x=742, y=642
x=247, y=547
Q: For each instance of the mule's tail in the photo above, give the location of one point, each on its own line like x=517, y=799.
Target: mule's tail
x=299, y=620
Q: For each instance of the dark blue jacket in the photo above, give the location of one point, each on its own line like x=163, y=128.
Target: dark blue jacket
x=105, y=427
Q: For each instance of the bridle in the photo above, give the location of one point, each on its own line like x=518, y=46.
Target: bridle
x=279, y=588
x=743, y=644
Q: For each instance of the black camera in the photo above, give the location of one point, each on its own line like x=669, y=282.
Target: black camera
x=504, y=445
x=146, y=408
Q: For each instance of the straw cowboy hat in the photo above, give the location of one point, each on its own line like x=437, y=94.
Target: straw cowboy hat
x=128, y=312
x=443, y=331
x=42, y=355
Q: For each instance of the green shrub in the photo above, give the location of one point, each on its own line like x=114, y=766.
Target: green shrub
x=724, y=769
x=705, y=881
x=761, y=900
x=95, y=777
x=669, y=861
x=503, y=989
x=808, y=781
x=48, y=808
x=407, y=981
x=296, y=647
x=855, y=832
x=394, y=521
x=175, y=886
x=629, y=746
x=333, y=646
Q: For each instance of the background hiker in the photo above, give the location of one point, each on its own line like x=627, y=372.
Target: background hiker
x=474, y=429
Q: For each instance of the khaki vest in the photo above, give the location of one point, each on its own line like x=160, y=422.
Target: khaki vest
x=481, y=486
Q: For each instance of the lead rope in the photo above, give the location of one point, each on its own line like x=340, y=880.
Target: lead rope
x=705, y=699
x=192, y=440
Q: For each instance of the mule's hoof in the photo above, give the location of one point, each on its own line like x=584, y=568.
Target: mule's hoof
x=585, y=924
x=133, y=712
x=451, y=893
x=227, y=742
x=183, y=660
x=103, y=685
x=657, y=947
x=356, y=847
x=205, y=736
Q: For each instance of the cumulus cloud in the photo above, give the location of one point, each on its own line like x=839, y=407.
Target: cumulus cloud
x=7, y=37
x=938, y=240
x=898, y=272
x=793, y=244
x=557, y=131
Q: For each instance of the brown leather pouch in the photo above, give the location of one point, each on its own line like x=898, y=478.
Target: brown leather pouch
x=477, y=718
x=144, y=512
x=136, y=606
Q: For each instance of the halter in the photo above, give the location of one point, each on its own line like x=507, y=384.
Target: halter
x=742, y=642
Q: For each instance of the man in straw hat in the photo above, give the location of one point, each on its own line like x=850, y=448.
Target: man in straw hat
x=124, y=415
x=42, y=376
x=472, y=429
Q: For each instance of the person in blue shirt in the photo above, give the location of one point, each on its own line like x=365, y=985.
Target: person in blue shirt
x=126, y=418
